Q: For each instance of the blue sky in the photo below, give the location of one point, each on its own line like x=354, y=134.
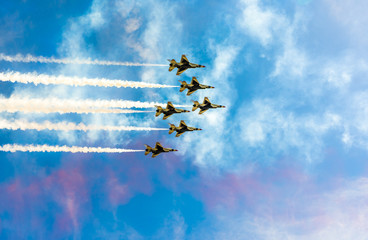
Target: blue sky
x=287, y=158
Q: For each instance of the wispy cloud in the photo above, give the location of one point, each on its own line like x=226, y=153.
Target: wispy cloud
x=339, y=213
x=261, y=22
x=267, y=125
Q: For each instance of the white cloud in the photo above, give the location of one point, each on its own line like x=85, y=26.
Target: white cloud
x=132, y=24
x=124, y=8
x=352, y=15
x=260, y=22
x=272, y=28
x=267, y=125
x=174, y=228
x=321, y=84
x=158, y=37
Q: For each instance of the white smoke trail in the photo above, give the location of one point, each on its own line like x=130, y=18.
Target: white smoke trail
x=29, y=58
x=67, y=126
x=29, y=108
x=73, y=149
x=52, y=103
x=75, y=81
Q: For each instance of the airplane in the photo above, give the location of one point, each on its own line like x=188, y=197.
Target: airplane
x=170, y=110
x=193, y=86
x=182, y=128
x=205, y=105
x=157, y=149
x=183, y=65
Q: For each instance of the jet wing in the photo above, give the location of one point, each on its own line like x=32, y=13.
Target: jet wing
x=181, y=70
x=166, y=115
x=178, y=134
x=155, y=155
x=190, y=92
x=202, y=111
x=184, y=59
x=170, y=106
x=195, y=81
x=182, y=123
x=206, y=101
x=159, y=146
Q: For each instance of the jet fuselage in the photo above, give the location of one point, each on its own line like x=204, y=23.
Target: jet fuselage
x=169, y=112
x=184, y=129
x=206, y=106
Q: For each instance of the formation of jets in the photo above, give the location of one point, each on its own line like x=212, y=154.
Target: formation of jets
x=183, y=65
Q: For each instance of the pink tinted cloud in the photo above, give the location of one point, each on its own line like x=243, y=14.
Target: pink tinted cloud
x=28, y=198
x=118, y=192
x=231, y=189
x=125, y=179
x=70, y=192
x=256, y=189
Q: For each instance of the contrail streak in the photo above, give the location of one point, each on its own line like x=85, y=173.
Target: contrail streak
x=73, y=149
x=52, y=103
x=67, y=126
x=29, y=58
x=75, y=81
x=30, y=108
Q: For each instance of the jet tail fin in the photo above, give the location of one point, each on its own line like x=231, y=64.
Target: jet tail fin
x=159, y=110
x=195, y=105
x=148, y=149
x=183, y=85
x=172, y=128
x=173, y=63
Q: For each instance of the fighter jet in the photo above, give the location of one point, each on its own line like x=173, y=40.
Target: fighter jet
x=205, y=105
x=193, y=86
x=157, y=149
x=183, y=65
x=170, y=110
x=182, y=128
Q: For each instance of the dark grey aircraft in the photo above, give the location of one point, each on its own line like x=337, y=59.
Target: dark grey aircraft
x=183, y=65
x=193, y=86
x=205, y=105
x=182, y=128
x=170, y=110
x=157, y=149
